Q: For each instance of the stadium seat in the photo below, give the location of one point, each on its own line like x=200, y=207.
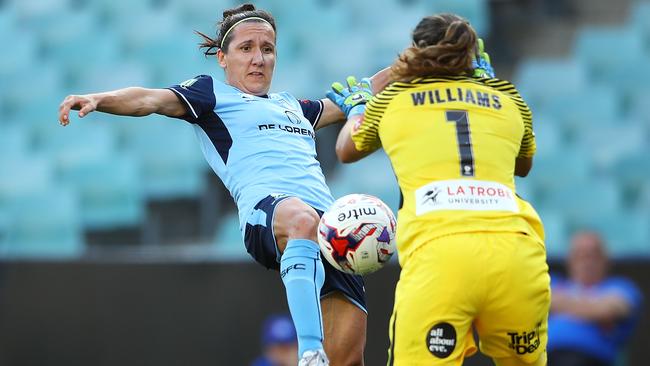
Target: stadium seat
x=228, y=234
x=171, y=161
x=64, y=51
x=639, y=15
x=541, y=81
x=556, y=234
x=627, y=233
x=24, y=174
x=559, y=169
x=630, y=139
x=109, y=189
x=549, y=135
x=605, y=49
x=103, y=76
x=591, y=108
x=639, y=108
x=526, y=189
x=633, y=168
x=29, y=88
x=19, y=53
x=85, y=138
x=476, y=11
x=372, y=175
x=582, y=200
x=14, y=141
x=31, y=234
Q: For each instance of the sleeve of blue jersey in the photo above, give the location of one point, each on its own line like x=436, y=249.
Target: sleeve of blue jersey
x=629, y=291
x=197, y=94
x=312, y=110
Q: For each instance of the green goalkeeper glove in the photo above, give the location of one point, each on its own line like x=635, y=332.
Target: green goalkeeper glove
x=481, y=63
x=351, y=100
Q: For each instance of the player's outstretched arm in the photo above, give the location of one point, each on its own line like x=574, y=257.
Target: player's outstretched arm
x=351, y=100
x=132, y=101
x=333, y=114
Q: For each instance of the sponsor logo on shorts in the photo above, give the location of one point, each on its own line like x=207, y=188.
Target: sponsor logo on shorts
x=462, y=194
x=297, y=266
x=526, y=342
x=441, y=340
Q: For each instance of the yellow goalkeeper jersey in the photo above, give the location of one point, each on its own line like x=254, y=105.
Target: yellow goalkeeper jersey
x=452, y=142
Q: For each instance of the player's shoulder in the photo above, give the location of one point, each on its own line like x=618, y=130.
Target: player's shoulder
x=392, y=90
x=197, y=80
x=284, y=95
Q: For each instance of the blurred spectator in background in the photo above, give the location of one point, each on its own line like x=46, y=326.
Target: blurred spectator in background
x=279, y=342
x=592, y=314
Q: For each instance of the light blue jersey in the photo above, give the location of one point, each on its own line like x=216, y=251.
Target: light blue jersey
x=258, y=146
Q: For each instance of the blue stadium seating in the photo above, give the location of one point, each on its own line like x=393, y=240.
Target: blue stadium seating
x=171, y=162
x=556, y=233
x=559, y=169
x=80, y=138
x=43, y=224
x=549, y=135
x=109, y=190
x=589, y=108
x=583, y=200
x=541, y=81
x=605, y=50
x=592, y=132
x=639, y=14
x=627, y=234
x=372, y=175
x=24, y=174
x=14, y=141
x=228, y=241
x=633, y=168
x=476, y=11
x=630, y=138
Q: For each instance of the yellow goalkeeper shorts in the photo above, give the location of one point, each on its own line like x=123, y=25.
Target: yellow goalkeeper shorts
x=496, y=283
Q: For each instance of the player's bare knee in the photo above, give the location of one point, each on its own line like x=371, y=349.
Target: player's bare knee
x=348, y=358
x=304, y=224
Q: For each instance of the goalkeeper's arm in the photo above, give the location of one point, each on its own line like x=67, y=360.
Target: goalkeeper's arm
x=333, y=114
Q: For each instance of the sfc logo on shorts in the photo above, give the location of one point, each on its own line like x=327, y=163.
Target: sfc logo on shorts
x=441, y=340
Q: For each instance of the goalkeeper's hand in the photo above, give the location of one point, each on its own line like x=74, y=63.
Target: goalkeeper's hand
x=481, y=63
x=351, y=100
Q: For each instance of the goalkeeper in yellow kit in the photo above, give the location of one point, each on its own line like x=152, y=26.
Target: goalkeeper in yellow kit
x=472, y=251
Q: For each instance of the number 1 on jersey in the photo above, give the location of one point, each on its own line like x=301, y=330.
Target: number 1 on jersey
x=464, y=139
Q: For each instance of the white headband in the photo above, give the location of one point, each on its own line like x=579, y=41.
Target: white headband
x=237, y=23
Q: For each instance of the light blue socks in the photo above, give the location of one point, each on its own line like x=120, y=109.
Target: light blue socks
x=303, y=275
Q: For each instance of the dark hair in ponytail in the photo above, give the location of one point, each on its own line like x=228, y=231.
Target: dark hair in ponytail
x=230, y=17
x=443, y=45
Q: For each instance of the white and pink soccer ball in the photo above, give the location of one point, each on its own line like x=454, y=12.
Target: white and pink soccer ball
x=357, y=234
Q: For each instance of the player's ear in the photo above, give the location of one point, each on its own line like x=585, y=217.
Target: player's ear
x=221, y=58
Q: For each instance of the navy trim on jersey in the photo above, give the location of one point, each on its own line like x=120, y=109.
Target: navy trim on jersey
x=218, y=133
x=197, y=95
x=312, y=110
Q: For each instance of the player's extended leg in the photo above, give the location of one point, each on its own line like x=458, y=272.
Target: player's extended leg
x=295, y=224
x=439, y=289
x=345, y=330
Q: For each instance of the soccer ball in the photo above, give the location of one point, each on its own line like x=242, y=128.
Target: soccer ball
x=357, y=234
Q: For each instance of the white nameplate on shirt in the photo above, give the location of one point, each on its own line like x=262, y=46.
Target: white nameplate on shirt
x=461, y=194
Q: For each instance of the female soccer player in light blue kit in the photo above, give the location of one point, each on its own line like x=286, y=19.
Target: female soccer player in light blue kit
x=262, y=147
